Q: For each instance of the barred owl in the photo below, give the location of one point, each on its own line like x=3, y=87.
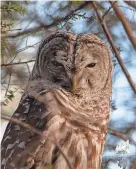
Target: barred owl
x=73, y=76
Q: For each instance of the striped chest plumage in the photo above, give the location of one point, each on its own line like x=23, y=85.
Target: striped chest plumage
x=80, y=131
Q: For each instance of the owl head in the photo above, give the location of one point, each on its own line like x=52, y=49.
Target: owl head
x=73, y=62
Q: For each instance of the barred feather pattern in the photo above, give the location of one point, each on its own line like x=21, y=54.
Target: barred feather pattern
x=77, y=121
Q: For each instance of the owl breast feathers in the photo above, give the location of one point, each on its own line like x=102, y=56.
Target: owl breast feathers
x=68, y=97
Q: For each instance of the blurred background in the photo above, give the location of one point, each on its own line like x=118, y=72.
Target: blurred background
x=25, y=23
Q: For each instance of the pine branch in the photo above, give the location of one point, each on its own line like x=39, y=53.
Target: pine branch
x=55, y=23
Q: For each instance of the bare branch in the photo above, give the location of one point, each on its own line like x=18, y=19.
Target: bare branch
x=131, y=3
x=24, y=32
x=28, y=69
x=117, y=54
x=116, y=157
x=55, y=23
x=34, y=130
x=8, y=83
x=106, y=13
x=25, y=48
x=21, y=50
x=17, y=63
x=121, y=135
x=14, y=120
x=125, y=23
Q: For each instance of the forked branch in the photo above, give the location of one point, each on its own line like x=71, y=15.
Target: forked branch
x=131, y=3
x=121, y=135
x=109, y=37
x=125, y=23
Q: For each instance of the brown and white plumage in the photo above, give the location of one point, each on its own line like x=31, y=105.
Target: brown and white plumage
x=72, y=75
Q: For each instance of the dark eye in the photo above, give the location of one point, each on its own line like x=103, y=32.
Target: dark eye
x=91, y=65
x=55, y=63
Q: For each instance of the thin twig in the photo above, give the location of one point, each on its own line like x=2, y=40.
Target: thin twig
x=34, y=130
x=13, y=58
x=125, y=23
x=127, y=7
x=28, y=69
x=14, y=120
x=117, y=54
x=8, y=83
x=16, y=63
x=30, y=46
x=55, y=23
x=121, y=135
x=21, y=50
x=131, y=3
x=118, y=156
x=14, y=30
x=106, y=13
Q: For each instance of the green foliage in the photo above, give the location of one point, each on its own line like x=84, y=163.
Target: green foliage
x=9, y=11
x=9, y=97
x=13, y=7
x=76, y=3
x=5, y=25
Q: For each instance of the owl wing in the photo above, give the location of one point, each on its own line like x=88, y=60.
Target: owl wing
x=18, y=142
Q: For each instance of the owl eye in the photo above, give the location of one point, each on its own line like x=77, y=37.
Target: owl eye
x=55, y=63
x=91, y=65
